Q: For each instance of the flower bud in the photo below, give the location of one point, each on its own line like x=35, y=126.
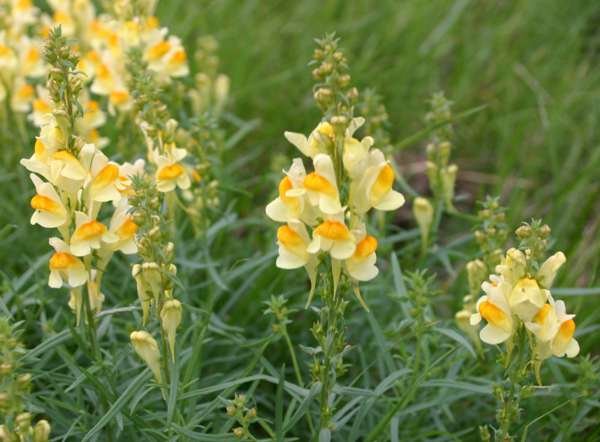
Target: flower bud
x=24, y=381
x=41, y=431
x=523, y=231
x=477, y=273
x=147, y=349
x=512, y=267
x=423, y=213
x=462, y=318
x=444, y=151
x=148, y=282
x=5, y=368
x=170, y=318
x=238, y=432
x=75, y=303
x=449, y=181
x=23, y=422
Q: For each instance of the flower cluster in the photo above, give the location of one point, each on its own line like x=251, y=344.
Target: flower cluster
x=324, y=210
x=21, y=61
x=106, y=39
x=238, y=409
x=14, y=387
x=519, y=294
x=73, y=181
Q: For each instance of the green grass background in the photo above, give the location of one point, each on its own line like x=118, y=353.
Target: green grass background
x=534, y=65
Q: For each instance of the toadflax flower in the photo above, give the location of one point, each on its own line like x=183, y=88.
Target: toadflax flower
x=319, y=141
x=49, y=209
x=170, y=172
x=88, y=234
x=291, y=204
x=321, y=186
x=374, y=189
x=334, y=237
x=64, y=266
x=494, y=308
x=361, y=265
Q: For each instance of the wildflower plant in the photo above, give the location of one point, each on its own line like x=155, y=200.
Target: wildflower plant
x=520, y=312
x=324, y=212
x=73, y=181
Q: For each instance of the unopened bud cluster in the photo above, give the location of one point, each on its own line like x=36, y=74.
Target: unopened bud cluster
x=370, y=106
x=17, y=424
x=243, y=415
x=155, y=274
x=278, y=309
x=440, y=173
x=211, y=87
x=333, y=92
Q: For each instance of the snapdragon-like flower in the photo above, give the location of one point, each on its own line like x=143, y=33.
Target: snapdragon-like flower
x=123, y=229
x=291, y=203
x=495, y=309
x=170, y=173
x=321, y=185
x=65, y=266
x=361, y=265
x=374, y=189
x=49, y=210
x=334, y=237
x=88, y=235
x=319, y=141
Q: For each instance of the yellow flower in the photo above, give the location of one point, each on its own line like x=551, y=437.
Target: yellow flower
x=290, y=204
x=374, y=188
x=104, y=179
x=49, y=209
x=334, y=237
x=23, y=95
x=321, y=186
x=494, y=308
x=361, y=265
x=170, y=172
x=526, y=298
x=293, y=241
x=88, y=235
x=319, y=141
x=123, y=229
x=147, y=349
x=564, y=343
x=547, y=272
x=65, y=267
